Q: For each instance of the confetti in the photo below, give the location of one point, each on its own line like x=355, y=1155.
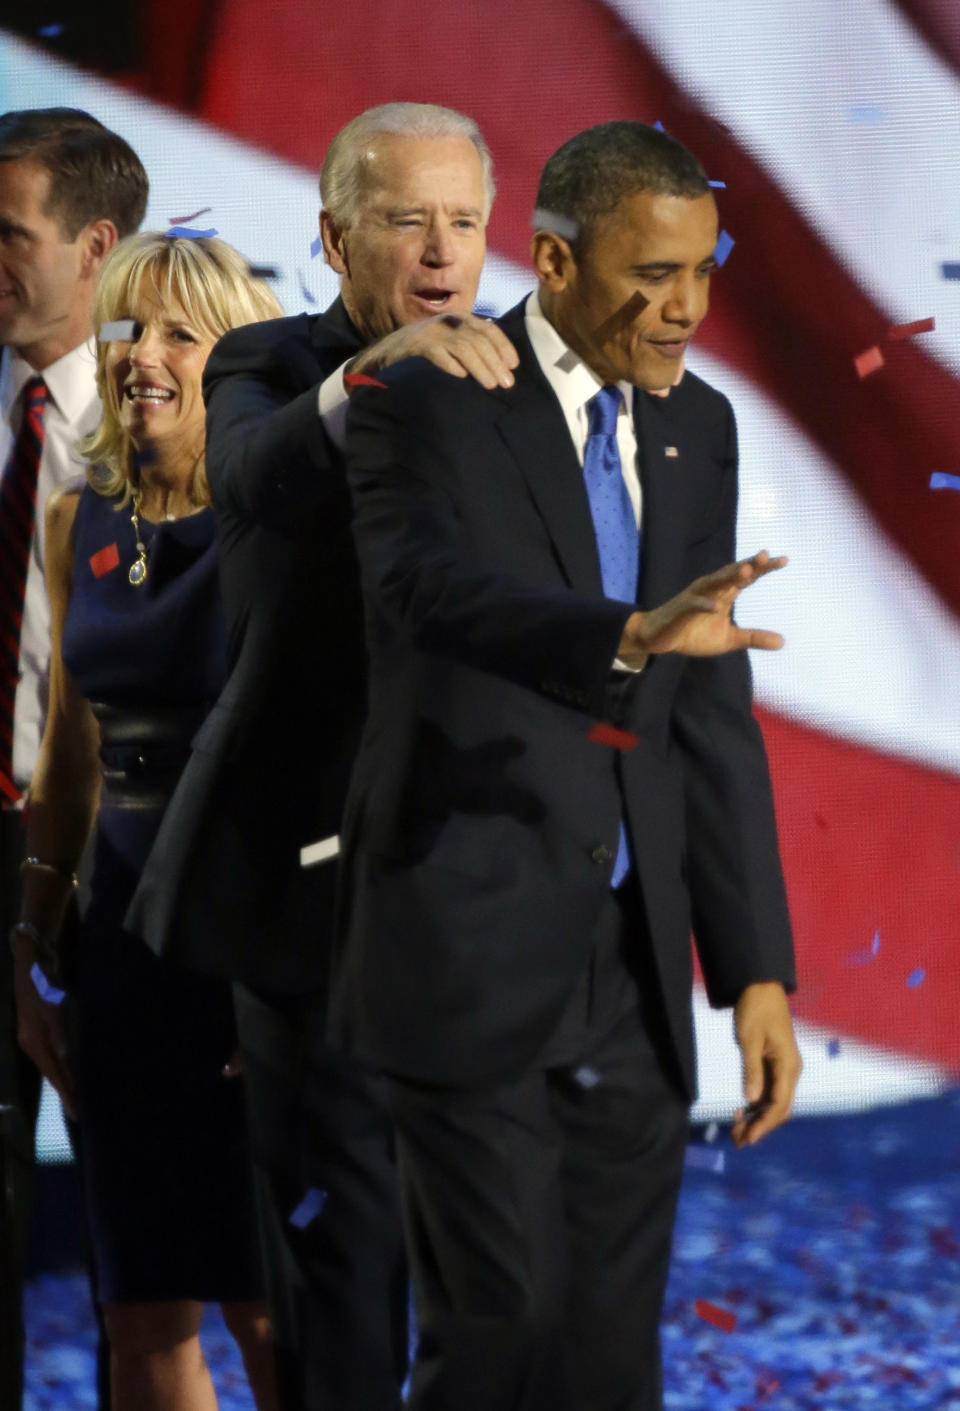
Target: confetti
x=560, y=225
x=699, y=1159
x=104, y=560
x=360, y=379
x=940, y=480
x=907, y=330
x=309, y=1208
x=304, y=290
x=320, y=852
x=950, y=271
x=720, y=1317
x=833, y=1048
x=720, y=185
x=316, y=245
x=44, y=988
x=50, y=31
x=875, y=944
x=263, y=272
x=603, y=734
x=586, y=1077
x=721, y=251
x=916, y=977
x=185, y=220
x=121, y=329
x=868, y=361
x=186, y=232
x=659, y=126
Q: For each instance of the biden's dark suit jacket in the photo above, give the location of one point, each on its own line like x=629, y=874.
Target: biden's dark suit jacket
x=482, y=820
x=224, y=890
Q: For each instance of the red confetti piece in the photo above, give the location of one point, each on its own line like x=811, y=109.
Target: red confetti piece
x=603, y=734
x=869, y=361
x=185, y=220
x=907, y=330
x=104, y=560
x=360, y=379
x=720, y=1317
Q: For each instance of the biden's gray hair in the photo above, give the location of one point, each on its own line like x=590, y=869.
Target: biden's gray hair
x=342, y=174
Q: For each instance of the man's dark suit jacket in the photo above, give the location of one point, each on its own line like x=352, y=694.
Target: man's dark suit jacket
x=482, y=820
x=223, y=890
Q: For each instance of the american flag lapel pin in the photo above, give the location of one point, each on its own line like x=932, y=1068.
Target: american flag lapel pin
x=671, y=452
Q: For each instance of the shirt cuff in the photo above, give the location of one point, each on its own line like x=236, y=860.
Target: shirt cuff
x=619, y=665
x=332, y=402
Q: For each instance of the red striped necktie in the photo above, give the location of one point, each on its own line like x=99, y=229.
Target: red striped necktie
x=18, y=501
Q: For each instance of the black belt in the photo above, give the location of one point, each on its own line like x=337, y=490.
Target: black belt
x=143, y=753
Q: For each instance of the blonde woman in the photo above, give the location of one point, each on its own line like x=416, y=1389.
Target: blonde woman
x=138, y=657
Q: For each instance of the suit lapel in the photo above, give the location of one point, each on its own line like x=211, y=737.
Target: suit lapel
x=535, y=430
x=664, y=510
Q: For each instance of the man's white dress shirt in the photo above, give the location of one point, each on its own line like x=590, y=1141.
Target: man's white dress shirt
x=72, y=411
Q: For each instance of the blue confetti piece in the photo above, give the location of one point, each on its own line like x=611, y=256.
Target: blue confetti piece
x=875, y=946
x=700, y=1159
x=833, y=1048
x=304, y=290
x=940, y=480
x=867, y=112
x=916, y=978
x=50, y=31
x=725, y=243
x=659, y=126
x=950, y=271
x=309, y=1208
x=586, y=1077
x=316, y=245
x=720, y=185
x=187, y=232
x=44, y=988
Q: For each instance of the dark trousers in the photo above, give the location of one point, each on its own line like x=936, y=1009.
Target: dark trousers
x=539, y=1212
x=19, y=1103
x=338, y=1288
x=20, y=1085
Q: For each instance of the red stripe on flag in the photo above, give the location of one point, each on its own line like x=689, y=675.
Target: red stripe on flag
x=870, y=843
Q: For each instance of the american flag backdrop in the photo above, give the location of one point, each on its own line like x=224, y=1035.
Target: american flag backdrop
x=835, y=126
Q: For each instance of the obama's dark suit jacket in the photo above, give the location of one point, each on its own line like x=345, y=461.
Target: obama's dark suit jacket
x=482, y=819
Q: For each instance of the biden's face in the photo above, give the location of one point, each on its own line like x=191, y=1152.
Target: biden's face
x=417, y=244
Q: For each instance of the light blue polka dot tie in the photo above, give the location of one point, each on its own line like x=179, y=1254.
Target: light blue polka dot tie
x=615, y=527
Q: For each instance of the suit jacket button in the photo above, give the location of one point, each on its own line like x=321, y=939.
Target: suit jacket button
x=601, y=853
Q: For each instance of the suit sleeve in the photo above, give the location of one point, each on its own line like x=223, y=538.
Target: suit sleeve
x=268, y=457
x=740, y=917
x=409, y=477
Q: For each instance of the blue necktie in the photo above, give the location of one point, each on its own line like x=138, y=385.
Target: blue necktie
x=615, y=527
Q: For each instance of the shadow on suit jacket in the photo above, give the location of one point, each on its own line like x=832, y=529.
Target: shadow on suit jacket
x=482, y=821
x=223, y=890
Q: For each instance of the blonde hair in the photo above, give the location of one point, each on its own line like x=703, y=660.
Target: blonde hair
x=212, y=283
x=343, y=175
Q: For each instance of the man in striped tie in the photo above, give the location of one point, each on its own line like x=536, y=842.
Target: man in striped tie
x=69, y=188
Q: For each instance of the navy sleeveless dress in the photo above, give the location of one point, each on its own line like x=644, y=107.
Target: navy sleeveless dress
x=163, y=1146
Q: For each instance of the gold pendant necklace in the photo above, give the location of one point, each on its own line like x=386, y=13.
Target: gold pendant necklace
x=138, y=569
